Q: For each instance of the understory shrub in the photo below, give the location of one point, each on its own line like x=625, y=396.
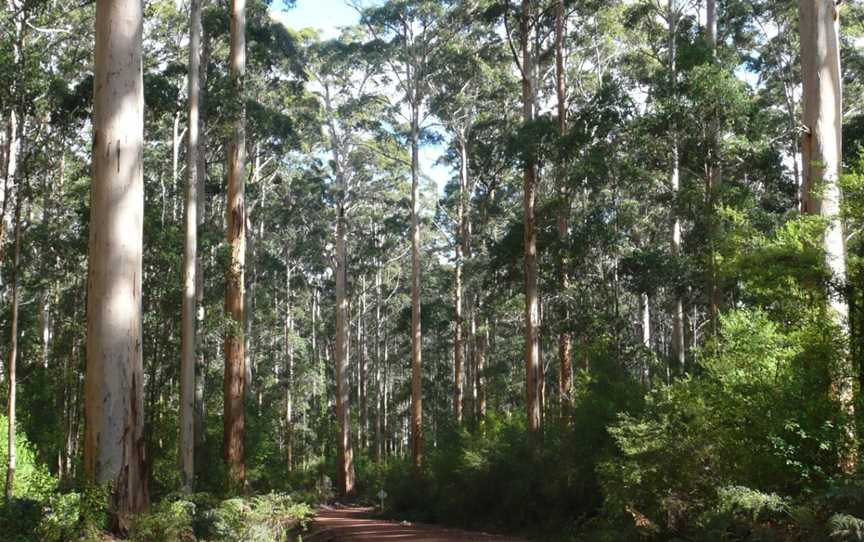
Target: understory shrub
x=199, y=517
x=741, y=450
x=500, y=477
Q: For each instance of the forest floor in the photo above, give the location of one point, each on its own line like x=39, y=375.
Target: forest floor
x=358, y=524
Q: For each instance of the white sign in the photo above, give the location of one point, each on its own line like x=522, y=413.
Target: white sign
x=382, y=495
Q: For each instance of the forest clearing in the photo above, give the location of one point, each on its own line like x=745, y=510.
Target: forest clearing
x=432, y=270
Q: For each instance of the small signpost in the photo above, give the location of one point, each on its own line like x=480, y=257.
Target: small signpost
x=382, y=495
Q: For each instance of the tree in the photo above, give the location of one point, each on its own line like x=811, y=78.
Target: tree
x=414, y=34
x=235, y=357
x=565, y=346
x=190, y=257
x=114, y=408
x=533, y=375
x=13, y=352
x=821, y=152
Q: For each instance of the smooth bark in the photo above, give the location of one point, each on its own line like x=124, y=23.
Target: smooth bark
x=12, y=365
x=114, y=433
x=235, y=356
x=821, y=155
x=529, y=187
x=190, y=258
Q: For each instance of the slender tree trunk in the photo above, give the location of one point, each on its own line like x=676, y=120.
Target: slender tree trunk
x=13, y=353
x=379, y=377
x=713, y=181
x=289, y=370
x=11, y=170
x=345, y=457
x=529, y=186
x=457, y=293
x=565, y=343
x=201, y=171
x=190, y=257
x=480, y=363
x=416, y=336
x=114, y=439
x=645, y=304
x=235, y=357
x=678, y=348
x=821, y=153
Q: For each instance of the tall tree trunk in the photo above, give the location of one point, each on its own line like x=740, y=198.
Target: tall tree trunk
x=714, y=168
x=13, y=352
x=190, y=258
x=645, y=304
x=114, y=438
x=289, y=370
x=529, y=187
x=235, y=356
x=480, y=364
x=345, y=455
x=457, y=293
x=363, y=358
x=565, y=343
x=821, y=153
x=416, y=336
x=379, y=377
x=11, y=170
x=678, y=348
x=201, y=170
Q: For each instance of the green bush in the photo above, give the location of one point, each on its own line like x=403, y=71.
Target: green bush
x=265, y=518
x=32, y=479
x=500, y=477
x=167, y=521
x=730, y=450
x=73, y=517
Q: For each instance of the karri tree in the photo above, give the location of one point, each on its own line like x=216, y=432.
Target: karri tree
x=235, y=357
x=821, y=151
x=114, y=381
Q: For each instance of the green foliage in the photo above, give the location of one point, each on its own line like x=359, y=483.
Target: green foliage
x=501, y=477
x=166, y=521
x=265, y=518
x=32, y=479
x=752, y=424
x=187, y=518
x=73, y=517
x=846, y=528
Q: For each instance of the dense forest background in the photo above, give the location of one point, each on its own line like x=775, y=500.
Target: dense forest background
x=625, y=310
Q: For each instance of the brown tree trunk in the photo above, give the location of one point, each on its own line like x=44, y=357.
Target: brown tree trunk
x=460, y=242
x=821, y=153
x=235, y=370
x=190, y=257
x=416, y=337
x=345, y=455
x=565, y=343
x=678, y=348
x=114, y=439
x=529, y=187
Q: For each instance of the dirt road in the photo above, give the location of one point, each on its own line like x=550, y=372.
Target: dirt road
x=354, y=524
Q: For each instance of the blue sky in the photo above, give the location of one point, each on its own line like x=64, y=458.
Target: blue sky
x=325, y=15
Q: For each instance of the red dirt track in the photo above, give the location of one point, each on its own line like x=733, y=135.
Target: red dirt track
x=354, y=524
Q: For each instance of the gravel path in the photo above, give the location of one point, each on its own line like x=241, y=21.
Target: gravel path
x=354, y=524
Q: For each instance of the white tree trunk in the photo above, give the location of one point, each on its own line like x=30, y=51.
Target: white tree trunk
x=821, y=154
x=114, y=437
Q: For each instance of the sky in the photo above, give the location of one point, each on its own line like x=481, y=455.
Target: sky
x=329, y=16
x=325, y=15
